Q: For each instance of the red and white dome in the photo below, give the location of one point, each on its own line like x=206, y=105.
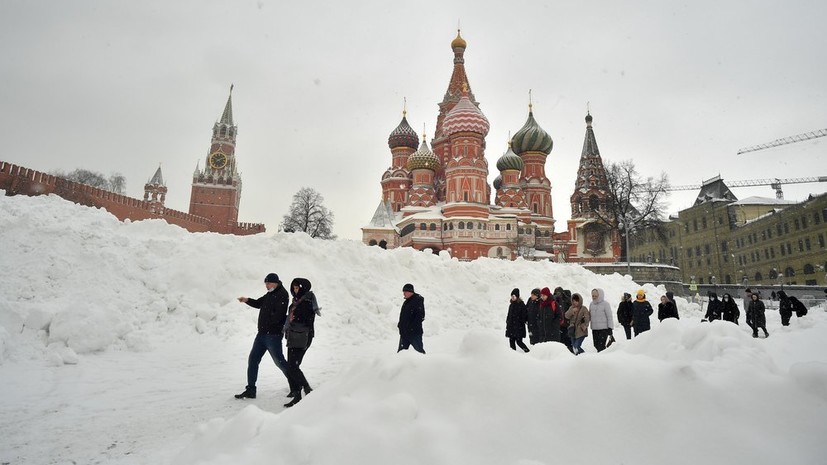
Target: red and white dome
x=465, y=117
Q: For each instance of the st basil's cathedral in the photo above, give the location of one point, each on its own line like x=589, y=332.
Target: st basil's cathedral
x=438, y=197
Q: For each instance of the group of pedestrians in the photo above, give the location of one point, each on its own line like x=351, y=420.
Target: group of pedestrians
x=279, y=319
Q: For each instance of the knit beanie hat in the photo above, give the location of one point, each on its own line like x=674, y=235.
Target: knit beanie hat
x=272, y=278
x=536, y=291
x=408, y=288
x=516, y=293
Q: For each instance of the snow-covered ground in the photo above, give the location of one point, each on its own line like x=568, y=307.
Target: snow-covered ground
x=124, y=343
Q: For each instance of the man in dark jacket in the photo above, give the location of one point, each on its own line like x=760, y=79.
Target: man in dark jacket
x=271, y=315
x=785, y=308
x=410, y=320
x=625, y=312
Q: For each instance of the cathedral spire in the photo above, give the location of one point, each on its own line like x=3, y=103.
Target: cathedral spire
x=227, y=116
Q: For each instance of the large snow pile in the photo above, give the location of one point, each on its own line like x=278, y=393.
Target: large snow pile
x=122, y=343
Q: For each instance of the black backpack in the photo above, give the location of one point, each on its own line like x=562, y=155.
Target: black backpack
x=798, y=306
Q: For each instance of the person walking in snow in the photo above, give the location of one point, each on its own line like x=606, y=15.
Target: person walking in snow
x=641, y=311
x=625, y=312
x=729, y=309
x=667, y=309
x=410, y=320
x=601, y=319
x=755, y=315
x=563, y=299
x=299, y=332
x=549, y=316
x=713, y=307
x=271, y=315
x=578, y=316
x=535, y=329
x=785, y=308
x=515, y=321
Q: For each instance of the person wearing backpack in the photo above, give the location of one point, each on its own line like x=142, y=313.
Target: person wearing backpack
x=299, y=332
x=785, y=308
x=271, y=315
x=515, y=321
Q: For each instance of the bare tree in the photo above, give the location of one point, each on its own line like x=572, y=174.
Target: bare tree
x=307, y=213
x=115, y=183
x=634, y=202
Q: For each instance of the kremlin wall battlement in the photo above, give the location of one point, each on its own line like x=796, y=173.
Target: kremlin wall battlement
x=17, y=180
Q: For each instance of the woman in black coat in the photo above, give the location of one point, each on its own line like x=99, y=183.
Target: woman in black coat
x=515, y=322
x=755, y=315
x=785, y=308
x=535, y=328
x=667, y=309
x=299, y=333
x=729, y=309
x=713, y=307
x=625, y=313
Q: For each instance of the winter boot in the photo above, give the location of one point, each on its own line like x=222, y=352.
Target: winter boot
x=297, y=396
x=249, y=393
x=307, y=389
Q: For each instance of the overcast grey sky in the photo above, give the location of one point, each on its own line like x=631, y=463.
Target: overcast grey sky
x=677, y=86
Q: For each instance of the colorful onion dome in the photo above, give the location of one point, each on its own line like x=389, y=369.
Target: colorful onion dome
x=510, y=161
x=403, y=136
x=531, y=138
x=498, y=182
x=465, y=117
x=458, y=42
x=423, y=158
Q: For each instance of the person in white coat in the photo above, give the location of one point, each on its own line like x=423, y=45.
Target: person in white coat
x=601, y=319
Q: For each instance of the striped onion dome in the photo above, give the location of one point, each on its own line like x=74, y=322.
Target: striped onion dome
x=403, y=136
x=465, y=117
x=510, y=161
x=531, y=138
x=498, y=182
x=423, y=158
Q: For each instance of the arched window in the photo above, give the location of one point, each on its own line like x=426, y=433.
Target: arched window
x=423, y=227
x=508, y=227
x=808, y=269
x=433, y=227
x=520, y=231
x=461, y=225
x=789, y=272
x=470, y=225
x=758, y=277
x=594, y=203
x=496, y=227
x=728, y=279
x=773, y=274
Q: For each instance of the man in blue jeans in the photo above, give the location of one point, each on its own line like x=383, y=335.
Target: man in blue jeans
x=410, y=320
x=272, y=313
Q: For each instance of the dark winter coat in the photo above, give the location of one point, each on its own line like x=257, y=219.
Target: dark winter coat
x=755, y=314
x=641, y=311
x=516, y=320
x=301, y=314
x=550, y=319
x=729, y=309
x=798, y=306
x=625, y=312
x=536, y=331
x=667, y=310
x=713, y=308
x=411, y=316
x=563, y=298
x=272, y=310
x=785, y=306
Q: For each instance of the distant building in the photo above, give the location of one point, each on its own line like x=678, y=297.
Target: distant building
x=757, y=241
x=214, y=201
x=438, y=197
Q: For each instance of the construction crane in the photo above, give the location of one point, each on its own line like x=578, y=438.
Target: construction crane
x=774, y=183
x=785, y=141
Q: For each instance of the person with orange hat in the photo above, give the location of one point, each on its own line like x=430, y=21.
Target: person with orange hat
x=641, y=311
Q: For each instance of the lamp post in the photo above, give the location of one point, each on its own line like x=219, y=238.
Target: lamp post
x=714, y=282
x=626, y=229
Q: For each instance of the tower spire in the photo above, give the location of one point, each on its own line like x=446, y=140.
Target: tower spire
x=227, y=116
